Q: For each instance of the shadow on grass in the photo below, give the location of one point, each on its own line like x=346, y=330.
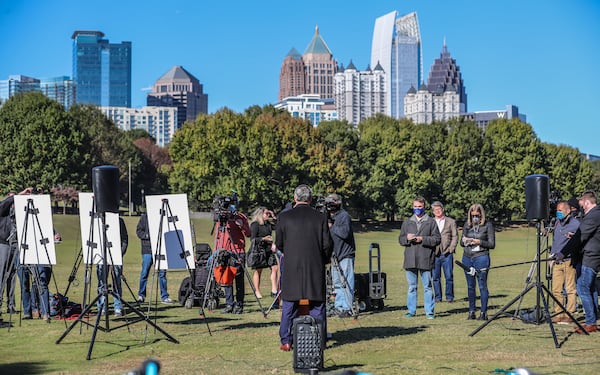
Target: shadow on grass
x=360, y=334
x=24, y=368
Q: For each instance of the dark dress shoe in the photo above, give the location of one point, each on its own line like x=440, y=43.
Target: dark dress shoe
x=471, y=315
x=482, y=316
x=285, y=347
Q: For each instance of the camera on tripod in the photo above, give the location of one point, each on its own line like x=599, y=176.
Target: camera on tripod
x=326, y=204
x=225, y=207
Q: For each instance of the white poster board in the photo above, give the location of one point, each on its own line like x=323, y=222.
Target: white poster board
x=35, y=231
x=174, y=229
x=92, y=240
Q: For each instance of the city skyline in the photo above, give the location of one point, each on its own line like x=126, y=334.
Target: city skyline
x=539, y=57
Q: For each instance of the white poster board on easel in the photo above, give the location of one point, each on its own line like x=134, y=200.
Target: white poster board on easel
x=92, y=236
x=35, y=231
x=175, y=245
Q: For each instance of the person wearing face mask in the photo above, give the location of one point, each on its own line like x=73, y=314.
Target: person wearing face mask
x=478, y=238
x=563, y=271
x=419, y=235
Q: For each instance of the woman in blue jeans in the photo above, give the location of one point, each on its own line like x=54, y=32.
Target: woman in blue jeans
x=478, y=238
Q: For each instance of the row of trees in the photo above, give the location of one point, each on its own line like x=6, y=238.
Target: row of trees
x=264, y=153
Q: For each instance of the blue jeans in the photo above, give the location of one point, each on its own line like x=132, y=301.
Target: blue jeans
x=443, y=262
x=480, y=263
x=411, y=300
x=586, y=288
x=162, y=278
x=31, y=296
x=116, y=283
x=344, y=286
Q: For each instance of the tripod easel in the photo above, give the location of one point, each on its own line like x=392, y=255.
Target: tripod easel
x=105, y=292
x=335, y=264
x=39, y=263
x=166, y=212
x=540, y=288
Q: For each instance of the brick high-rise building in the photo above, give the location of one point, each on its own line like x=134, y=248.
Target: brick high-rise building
x=311, y=73
x=291, y=77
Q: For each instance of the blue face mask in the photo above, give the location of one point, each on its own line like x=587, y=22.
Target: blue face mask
x=418, y=211
x=560, y=215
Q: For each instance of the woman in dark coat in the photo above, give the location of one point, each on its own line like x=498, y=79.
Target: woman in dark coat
x=478, y=238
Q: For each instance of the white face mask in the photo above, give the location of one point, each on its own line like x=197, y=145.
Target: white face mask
x=475, y=219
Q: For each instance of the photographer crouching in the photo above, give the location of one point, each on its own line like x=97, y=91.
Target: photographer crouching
x=232, y=228
x=344, y=250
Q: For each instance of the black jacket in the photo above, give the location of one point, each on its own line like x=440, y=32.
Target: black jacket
x=143, y=232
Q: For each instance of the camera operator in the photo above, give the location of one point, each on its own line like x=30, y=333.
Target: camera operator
x=344, y=250
x=261, y=236
x=231, y=230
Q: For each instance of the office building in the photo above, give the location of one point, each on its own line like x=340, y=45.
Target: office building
x=292, y=80
x=61, y=89
x=311, y=73
x=483, y=118
x=179, y=88
x=309, y=107
x=359, y=94
x=443, y=98
x=424, y=107
x=159, y=122
x=396, y=47
x=101, y=70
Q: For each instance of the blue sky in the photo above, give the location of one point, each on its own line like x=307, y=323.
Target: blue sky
x=542, y=56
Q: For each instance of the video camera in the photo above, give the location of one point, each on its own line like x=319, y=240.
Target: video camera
x=225, y=207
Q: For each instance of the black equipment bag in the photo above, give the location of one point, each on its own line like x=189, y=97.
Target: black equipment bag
x=309, y=343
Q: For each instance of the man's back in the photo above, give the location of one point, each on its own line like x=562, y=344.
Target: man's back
x=302, y=235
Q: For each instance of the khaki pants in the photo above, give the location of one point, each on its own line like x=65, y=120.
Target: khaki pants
x=563, y=275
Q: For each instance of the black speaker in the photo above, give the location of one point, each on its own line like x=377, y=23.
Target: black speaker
x=537, y=195
x=105, y=184
x=308, y=344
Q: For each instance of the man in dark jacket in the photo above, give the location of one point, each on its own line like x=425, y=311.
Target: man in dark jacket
x=344, y=250
x=588, y=236
x=420, y=236
x=302, y=235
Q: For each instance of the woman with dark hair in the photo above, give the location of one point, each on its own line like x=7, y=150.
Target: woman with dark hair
x=478, y=238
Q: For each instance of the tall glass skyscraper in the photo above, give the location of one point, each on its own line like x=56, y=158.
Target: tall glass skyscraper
x=397, y=49
x=101, y=70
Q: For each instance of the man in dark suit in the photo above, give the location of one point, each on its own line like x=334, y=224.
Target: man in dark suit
x=302, y=234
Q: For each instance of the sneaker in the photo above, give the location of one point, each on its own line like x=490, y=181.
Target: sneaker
x=167, y=301
x=27, y=317
x=118, y=313
x=35, y=314
x=430, y=316
x=140, y=299
x=228, y=309
x=345, y=314
x=409, y=315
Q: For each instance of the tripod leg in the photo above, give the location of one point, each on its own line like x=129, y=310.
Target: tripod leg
x=503, y=309
x=540, y=289
x=149, y=321
x=84, y=313
x=565, y=310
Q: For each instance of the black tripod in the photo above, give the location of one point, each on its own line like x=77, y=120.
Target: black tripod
x=540, y=287
x=166, y=212
x=225, y=255
x=103, y=294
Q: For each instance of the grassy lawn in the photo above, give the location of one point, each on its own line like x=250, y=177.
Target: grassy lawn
x=382, y=342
